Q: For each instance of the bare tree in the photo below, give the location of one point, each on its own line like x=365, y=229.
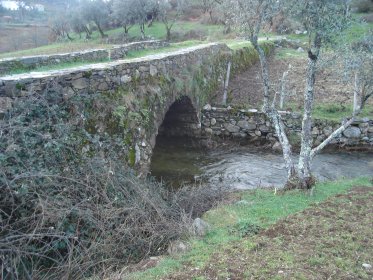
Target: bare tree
x=249, y=17
x=325, y=22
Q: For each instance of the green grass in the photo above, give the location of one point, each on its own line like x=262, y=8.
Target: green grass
x=334, y=112
x=59, y=66
x=284, y=53
x=264, y=208
x=55, y=48
x=156, y=31
x=172, y=47
x=337, y=113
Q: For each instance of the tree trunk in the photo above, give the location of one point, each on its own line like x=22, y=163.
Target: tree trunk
x=275, y=117
x=142, y=30
x=168, y=33
x=103, y=35
x=285, y=144
x=283, y=89
x=226, y=84
x=265, y=75
x=357, y=95
x=304, y=165
x=69, y=37
x=335, y=134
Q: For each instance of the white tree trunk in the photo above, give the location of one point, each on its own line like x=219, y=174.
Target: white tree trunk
x=335, y=134
x=304, y=164
x=357, y=95
x=284, y=141
x=283, y=88
x=273, y=114
x=226, y=84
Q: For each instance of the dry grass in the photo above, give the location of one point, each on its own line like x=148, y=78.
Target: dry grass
x=330, y=240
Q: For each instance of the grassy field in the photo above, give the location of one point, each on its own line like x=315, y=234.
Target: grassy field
x=56, y=48
x=156, y=31
x=228, y=251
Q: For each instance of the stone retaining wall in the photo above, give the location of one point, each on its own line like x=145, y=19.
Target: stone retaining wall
x=117, y=52
x=253, y=125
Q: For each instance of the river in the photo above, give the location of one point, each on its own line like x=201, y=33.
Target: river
x=176, y=161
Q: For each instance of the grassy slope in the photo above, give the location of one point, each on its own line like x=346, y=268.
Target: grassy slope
x=157, y=31
x=264, y=208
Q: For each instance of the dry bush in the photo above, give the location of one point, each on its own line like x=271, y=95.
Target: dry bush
x=65, y=215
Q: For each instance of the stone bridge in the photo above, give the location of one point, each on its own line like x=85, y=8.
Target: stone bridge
x=131, y=101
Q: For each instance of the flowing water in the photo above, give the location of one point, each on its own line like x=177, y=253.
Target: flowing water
x=178, y=161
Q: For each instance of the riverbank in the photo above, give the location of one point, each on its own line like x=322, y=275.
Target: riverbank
x=266, y=234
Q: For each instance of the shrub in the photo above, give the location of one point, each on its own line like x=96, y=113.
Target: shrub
x=68, y=214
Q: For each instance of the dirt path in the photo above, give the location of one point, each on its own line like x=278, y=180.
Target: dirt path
x=331, y=240
x=246, y=88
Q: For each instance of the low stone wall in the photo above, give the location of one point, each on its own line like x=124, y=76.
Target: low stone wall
x=117, y=52
x=253, y=125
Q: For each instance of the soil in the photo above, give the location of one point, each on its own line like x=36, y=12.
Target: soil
x=20, y=37
x=246, y=88
x=331, y=240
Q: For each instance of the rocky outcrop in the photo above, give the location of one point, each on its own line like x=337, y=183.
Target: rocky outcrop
x=94, y=55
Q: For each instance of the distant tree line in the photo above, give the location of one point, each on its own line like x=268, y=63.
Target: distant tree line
x=80, y=15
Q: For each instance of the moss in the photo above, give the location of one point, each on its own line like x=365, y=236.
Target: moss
x=90, y=126
x=20, y=86
x=128, y=139
x=132, y=157
x=87, y=74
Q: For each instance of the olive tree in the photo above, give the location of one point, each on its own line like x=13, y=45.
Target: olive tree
x=124, y=13
x=325, y=22
x=170, y=12
x=208, y=6
x=96, y=11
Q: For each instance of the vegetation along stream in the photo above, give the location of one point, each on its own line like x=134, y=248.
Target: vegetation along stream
x=178, y=161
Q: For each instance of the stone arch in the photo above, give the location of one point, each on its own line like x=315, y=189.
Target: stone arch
x=181, y=119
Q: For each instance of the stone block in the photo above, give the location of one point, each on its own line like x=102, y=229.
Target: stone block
x=231, y=128
x=352, y=132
